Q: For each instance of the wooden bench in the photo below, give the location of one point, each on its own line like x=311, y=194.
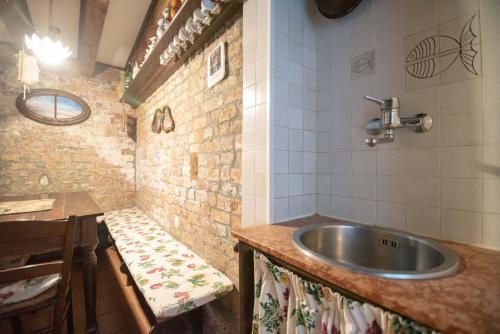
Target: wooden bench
x=168, y=278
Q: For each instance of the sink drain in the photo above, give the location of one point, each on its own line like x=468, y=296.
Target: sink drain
x=389, y=243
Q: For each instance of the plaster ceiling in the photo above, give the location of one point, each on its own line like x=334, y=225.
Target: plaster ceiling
x=121, y=26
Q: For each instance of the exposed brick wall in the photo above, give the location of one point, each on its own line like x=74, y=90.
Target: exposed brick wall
x=95, y=155
x=201, y=209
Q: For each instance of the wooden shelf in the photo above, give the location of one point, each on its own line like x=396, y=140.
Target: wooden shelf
x=152, y=74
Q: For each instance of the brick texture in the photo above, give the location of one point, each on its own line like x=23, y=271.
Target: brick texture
x=189, y=180
x=95, y=155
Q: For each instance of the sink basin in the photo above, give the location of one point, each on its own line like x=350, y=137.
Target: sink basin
x=376, y=251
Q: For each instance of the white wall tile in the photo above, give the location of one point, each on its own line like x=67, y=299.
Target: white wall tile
x=450, y=9
x=461, y=226
x=391, y=215
x=462, y=129
x=364, y=211
x=323, y=204
x=309, y=141
x=364, y=162
x=462, y=194
x=492, y=195
x=295, y=205
x=341, y=207
x=391, y=188
x=491, y=230
x=296, y=185
x=280, y=138
x=422, y=162
x=309, y=159
x=364, y=186
x=462, y=161
x=308, y=204
x=461, y=97
x=423, y=220
x=296, y=139
x=323, y=184
x=341, y=162
x=280, y=185
x=423, y=191
x=491, y=157
x=341, y=185
x=418, y=15
x=281, y=209
x=391, y=162
x=296, y=162
x=310, y=184
x=281, y=162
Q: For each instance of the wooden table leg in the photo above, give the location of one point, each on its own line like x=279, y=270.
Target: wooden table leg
x=89, y=268
x=246, y=287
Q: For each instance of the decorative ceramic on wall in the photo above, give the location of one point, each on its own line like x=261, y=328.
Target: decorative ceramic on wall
x=444, y=54
x=363, y=65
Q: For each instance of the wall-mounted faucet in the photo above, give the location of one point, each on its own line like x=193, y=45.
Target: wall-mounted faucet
x=390, y=120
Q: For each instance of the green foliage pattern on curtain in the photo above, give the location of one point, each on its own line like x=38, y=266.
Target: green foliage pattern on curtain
x=286, y=304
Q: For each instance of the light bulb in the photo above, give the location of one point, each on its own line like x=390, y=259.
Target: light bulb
x=46, y=50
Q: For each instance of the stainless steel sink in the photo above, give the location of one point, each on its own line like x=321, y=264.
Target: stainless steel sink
x=376, y=251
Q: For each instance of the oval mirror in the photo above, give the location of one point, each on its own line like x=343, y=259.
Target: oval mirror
x=53, y=107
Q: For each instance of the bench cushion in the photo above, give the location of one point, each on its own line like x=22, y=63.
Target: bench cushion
x=171, y=277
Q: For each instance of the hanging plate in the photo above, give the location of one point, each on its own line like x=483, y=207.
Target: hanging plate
x=334, y=9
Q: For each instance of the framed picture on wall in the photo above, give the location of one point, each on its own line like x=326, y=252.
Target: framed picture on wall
x=216, y=66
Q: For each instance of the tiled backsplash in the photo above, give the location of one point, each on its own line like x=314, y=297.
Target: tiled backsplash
x=444, y=183
x=439, y=57
x=293, y=105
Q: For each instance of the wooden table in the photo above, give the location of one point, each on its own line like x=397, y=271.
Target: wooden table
x=79, y=204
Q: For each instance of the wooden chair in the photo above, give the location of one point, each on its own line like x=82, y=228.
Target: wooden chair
x=25, y=238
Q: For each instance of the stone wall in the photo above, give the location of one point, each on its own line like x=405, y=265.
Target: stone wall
x=189, y=180
x=95, y=155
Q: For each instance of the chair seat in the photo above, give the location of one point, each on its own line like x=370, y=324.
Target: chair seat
x=14, y=293
x=44, y=299
x=171, y=277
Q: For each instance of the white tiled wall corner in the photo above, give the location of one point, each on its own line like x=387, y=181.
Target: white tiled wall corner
x=256, y=140
x=293, y=107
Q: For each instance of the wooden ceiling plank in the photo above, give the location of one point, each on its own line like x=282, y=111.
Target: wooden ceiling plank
x=92, y=16
x=148, y=18
x=17, y=19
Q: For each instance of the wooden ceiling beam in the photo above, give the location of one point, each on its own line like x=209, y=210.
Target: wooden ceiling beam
x=92, y=16
x=17, y=18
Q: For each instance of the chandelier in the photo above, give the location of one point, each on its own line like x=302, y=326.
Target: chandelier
x=47, y=49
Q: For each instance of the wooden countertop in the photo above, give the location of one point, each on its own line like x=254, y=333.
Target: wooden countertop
x=467, y=302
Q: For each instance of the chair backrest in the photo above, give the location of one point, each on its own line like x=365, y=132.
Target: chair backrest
x=25, y=238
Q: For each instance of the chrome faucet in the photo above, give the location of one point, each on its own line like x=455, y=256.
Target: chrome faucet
x=390, y=121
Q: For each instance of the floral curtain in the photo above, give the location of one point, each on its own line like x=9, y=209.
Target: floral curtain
x=285, y=303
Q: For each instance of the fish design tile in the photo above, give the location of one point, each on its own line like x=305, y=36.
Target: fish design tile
x=363, y=64
x=436, y=54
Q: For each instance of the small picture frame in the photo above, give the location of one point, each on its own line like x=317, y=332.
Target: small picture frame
x=216, y=65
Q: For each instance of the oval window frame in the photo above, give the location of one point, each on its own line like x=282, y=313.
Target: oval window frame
x=27, y=112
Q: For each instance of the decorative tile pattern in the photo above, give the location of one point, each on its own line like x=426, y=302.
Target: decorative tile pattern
x=363, y=64
x=445, y=54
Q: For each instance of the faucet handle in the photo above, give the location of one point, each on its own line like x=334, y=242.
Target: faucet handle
x=389, y=103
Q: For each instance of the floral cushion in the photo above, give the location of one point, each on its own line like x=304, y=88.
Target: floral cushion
x=26, y=289
x=171, y=277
